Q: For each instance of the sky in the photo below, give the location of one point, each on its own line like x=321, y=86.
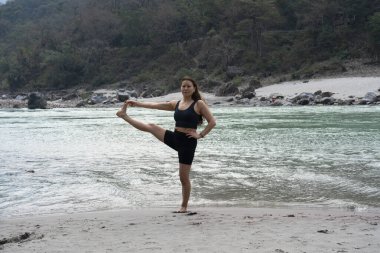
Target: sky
x=3, y=1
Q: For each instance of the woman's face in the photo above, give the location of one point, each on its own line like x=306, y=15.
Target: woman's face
x=187, y=88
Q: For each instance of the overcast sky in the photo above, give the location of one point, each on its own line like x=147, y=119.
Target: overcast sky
x=3, y=1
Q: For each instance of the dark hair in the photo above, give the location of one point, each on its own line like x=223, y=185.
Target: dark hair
x=196, y=95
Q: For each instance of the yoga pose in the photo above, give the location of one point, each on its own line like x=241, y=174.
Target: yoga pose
x=188, y=114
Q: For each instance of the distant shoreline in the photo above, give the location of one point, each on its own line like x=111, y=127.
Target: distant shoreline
x=354, y=88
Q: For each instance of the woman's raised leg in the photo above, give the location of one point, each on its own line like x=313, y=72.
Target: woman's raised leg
x=184, y=177
x=157, y=131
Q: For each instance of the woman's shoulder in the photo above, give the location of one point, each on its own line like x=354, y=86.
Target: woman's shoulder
x=200, y=102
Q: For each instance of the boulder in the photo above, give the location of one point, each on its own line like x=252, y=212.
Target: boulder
x=133, y=94
x=228, y=89
x=328, y=101
x=371, y=97
x=326, y=94
x=233, y=71
x=349, y=101
x=276, y=96
x=81, y=104
x=303, y=101
x=317, y=99
x=262, y=99
x=36, y=101
x=277, y=103
x=122, y=96
x=248, y=94
x=318, y=92
x=97, y=99
x=243, y=101
x=21, y=97
x=70, y=96
x=301, y=98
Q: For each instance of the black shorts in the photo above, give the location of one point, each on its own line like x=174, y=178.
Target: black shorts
x=184, y=145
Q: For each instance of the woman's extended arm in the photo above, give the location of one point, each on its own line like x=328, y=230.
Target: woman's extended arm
x=167, y=106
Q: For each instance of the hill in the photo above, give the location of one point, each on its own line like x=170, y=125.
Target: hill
x=151, y=44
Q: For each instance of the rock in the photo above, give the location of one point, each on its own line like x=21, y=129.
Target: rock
x=303, y=99
x=81, y=104
x=122, y=96
x=306, y=81
x=318, y=92
x=36, y=101
x=362, y=102
x=70, y=96
x=243, y=101
x=248, y=94
x=107, y=102
x=326, y=94
x=317, y=99
x=349, y=101
x=230, y=100
x=328, y=101
x=276, y=96
x=216, y=103
x=233, y=71
x=97, y=99
x=228, y=89
x=133, y=94
x=277, y=103
x=4, y=96
x=21, y=97
x=371, y=97
x=262, y=99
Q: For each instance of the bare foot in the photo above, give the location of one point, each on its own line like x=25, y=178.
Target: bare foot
x=182, y=210
x=123, y=110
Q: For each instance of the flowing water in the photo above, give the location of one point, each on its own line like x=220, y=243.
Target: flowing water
x=87, y=159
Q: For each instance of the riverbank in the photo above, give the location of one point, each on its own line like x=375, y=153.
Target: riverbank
x=330, y=91
x=204, y=230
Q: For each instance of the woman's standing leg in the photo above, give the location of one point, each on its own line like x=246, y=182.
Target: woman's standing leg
x=157, y=131
x=184, y=176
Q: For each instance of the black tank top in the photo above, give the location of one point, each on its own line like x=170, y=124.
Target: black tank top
x=186, y=118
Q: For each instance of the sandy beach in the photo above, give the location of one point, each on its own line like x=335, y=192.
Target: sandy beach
x=206, y=230
x=341, y=87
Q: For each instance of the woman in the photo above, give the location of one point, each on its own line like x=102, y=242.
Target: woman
x=189, y=113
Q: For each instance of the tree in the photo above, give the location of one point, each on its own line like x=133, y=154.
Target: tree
x=374, y=29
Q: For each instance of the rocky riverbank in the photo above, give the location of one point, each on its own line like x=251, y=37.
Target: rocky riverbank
x=333, y=91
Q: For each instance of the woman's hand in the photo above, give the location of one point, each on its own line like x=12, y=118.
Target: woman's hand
x=131, y=103
x=194, y=135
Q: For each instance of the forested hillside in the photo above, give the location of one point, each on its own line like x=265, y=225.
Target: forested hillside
x=60, y=44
